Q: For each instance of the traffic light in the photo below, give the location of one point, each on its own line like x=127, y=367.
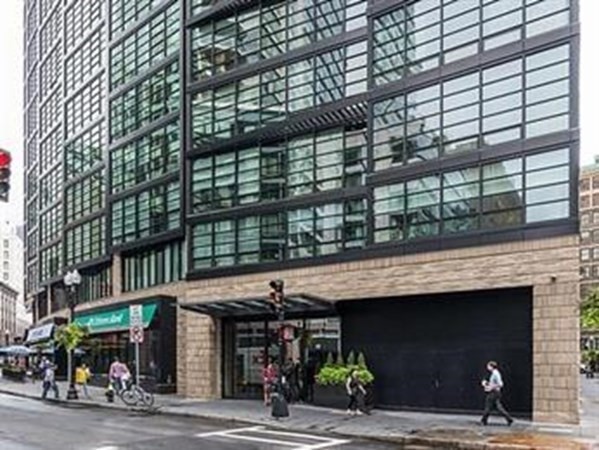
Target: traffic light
x=277, y=295
x=5, y=160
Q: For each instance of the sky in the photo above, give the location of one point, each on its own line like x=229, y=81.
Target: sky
x=11, y=92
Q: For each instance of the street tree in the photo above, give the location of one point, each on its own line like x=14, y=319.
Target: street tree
x=589, y=311
x=70, y=336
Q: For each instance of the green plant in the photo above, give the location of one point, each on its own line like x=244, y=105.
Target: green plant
x=330, y=361
x=332, y=376
x=336, y=374
x=589, y=311
x=70, y=336
x=351, y=359
x=362, y=361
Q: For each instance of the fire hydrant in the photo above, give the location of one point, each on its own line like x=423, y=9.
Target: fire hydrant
x=110, y=394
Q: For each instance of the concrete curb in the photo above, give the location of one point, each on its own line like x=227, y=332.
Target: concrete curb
x=403, y=440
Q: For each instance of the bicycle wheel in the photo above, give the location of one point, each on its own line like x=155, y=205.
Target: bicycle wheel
x=129, y=396
x=147, y=398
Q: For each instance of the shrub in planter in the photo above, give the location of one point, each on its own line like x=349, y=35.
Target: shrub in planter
x=331, y=379
x=336, y=374
x=13, y=372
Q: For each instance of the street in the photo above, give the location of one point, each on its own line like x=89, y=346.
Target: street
x=34, y=425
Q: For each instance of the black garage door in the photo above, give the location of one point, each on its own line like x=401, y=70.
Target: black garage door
x=429, y=352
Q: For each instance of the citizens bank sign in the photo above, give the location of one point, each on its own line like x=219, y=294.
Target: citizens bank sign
x=115, y=319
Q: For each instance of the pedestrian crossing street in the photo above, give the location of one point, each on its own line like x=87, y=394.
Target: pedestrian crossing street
x=274, y=438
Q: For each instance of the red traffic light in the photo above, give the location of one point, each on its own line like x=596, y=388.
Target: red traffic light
x=5, y=158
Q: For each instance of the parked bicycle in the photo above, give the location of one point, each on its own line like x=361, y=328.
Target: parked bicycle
x=133, y=395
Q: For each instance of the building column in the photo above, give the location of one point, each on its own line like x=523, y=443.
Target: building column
x=116, y=274
x=48, y=300
x=199, y=355
x=556, y=352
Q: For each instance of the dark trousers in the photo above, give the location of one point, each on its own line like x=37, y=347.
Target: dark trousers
x=493, y=401
x=46, y=386
x=353, y=402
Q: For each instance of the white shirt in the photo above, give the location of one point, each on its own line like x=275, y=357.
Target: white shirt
x=495, y=381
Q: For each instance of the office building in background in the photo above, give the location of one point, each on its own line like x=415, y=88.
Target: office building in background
x=408, y=168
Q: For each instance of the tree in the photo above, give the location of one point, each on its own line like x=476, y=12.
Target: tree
x=589, y=311
x=70, y=336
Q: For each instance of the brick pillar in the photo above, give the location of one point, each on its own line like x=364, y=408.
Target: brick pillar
x=181, y=351
x=198, y=357
x=556, y=337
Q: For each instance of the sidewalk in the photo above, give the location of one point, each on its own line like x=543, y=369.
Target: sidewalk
x=453, y=431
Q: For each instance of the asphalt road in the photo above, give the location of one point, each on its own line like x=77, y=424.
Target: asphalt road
x=32, y=425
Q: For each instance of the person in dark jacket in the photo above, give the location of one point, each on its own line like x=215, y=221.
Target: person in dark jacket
x=354, y=387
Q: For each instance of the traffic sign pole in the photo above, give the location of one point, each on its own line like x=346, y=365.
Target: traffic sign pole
x=137, y=362
x=136, y=330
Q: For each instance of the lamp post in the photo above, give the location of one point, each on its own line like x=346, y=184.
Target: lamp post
x=277, y=296
x=72, y=280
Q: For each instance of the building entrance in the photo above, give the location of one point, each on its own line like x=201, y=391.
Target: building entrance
x=248, y=346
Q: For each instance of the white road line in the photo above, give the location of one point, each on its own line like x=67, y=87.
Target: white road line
x=228, y=432
x=238, y=434
x=261, y=440
x=297, y=435
x=331, y=443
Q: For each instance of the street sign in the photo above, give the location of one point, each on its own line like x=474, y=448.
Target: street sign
x=136, y=316
x=136, y=335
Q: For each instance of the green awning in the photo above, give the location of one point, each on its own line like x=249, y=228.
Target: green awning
x=114, y=319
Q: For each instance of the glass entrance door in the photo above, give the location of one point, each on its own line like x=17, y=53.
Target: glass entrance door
x=248, y=345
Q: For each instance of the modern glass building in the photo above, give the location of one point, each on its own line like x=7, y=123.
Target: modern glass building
x=387, y=158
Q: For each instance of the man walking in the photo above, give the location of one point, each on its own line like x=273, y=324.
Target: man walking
x=493, y=387
x=49, y=380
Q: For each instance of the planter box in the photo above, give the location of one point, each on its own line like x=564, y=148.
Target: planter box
x=336, y=397
x=14, y=375
x=330, y=396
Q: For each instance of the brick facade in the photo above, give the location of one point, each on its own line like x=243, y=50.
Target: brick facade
x=550, y=266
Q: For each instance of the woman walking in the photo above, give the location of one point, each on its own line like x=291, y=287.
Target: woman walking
x=353, y=386
x=269, y=378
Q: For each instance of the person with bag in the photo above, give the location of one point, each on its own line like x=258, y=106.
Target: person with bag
x=118, y=374
x=269, y=379
x=493, y=387
x=82, y=377
x=354, y=387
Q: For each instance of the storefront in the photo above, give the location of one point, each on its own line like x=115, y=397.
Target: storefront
x=251, y=336
x=41, y=340
x=427, y=352
x=109, y=338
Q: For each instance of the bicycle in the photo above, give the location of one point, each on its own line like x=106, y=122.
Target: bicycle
x=132, y=395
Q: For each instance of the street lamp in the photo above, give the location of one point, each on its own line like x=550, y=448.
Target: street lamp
x=72, y=280
x=277, y=297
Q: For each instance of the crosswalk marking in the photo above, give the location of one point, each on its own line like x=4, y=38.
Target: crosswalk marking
x=260, y=434
x=226, y=432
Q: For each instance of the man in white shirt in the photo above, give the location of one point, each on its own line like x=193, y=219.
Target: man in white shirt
x=493, y=388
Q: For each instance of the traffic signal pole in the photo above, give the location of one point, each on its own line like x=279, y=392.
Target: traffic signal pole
x=5, y=160
x=279, y=406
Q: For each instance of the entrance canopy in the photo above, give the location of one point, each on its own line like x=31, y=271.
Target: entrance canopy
x=296, y=306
